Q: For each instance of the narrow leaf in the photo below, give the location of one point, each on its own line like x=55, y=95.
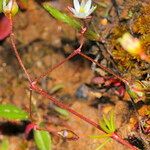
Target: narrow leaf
x=103, y=126
x=70, y=21
x=103, y=144
x=62, y=16
x=112, y=121
x=107, y=122
x=61, y=111
x=100, y=136
x=42, y=140
x=56, y=88
x=9, y=111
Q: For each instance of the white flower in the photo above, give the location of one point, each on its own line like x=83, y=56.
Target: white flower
x=83, y=9
x=7, y=7
x=10, y=7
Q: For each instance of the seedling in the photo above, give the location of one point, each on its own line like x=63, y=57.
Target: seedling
x=108, y=125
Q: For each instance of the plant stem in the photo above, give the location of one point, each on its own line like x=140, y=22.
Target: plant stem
x=104, y=68
x=12, y=39
x=75, y=52
x=82, y=117
x=30, y=104
x=63, y=106
x=122, y=141
x=56, y=66
x=39, y=90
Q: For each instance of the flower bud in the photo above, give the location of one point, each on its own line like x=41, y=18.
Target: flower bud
x=131, y=44
x=10, y=8
x=68, y=134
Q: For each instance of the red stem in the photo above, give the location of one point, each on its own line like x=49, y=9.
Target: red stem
x=76, y=52
x=82, y=117
x=56, y=66
x=55, y=101
x=63, y=106
x=104, y=68
x=122, y=141
x=12, y=39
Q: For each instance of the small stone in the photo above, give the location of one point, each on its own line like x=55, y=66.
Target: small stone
x=82, y=92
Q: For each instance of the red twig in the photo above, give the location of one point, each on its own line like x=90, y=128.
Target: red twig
x=42, y=92
x=104, y=68
x=56, y=66
x=122, y=141
x=63, y=106
x=76, y=52
x=82, y=117
x=12, y=39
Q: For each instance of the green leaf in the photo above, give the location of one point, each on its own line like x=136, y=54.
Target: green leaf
x=107, y=122
x=42, y=140
x=103, y=126
x=62, y=16
x=70, y=21
x=56, y=88
x=132, y=93
x=61, y=111
x=9, y=111
x=112, y=121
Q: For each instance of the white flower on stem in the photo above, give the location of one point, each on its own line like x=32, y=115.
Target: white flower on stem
x=83, y=9
x=10, y=7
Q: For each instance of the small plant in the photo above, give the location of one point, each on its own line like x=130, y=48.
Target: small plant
x=107, y=124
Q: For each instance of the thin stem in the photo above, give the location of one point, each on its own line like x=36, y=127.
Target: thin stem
x=12, y=39
x=30, y=104
x=63, y=106
x=56, y=66
x=104, y=68
x=82, y=117
x=76, y=52
x=122, y=141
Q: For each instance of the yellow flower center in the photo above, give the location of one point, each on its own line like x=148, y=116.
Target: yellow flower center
x=82, y=10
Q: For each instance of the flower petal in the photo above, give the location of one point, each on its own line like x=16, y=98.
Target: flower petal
x=76, y=5
x=88, y=5
x=10, y=5
x=91, y=10
x=4, y=3
x=80, y=15
x=72, y=10
x=83, y=3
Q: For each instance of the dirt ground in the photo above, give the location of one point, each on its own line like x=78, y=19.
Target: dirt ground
x=42, y=42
